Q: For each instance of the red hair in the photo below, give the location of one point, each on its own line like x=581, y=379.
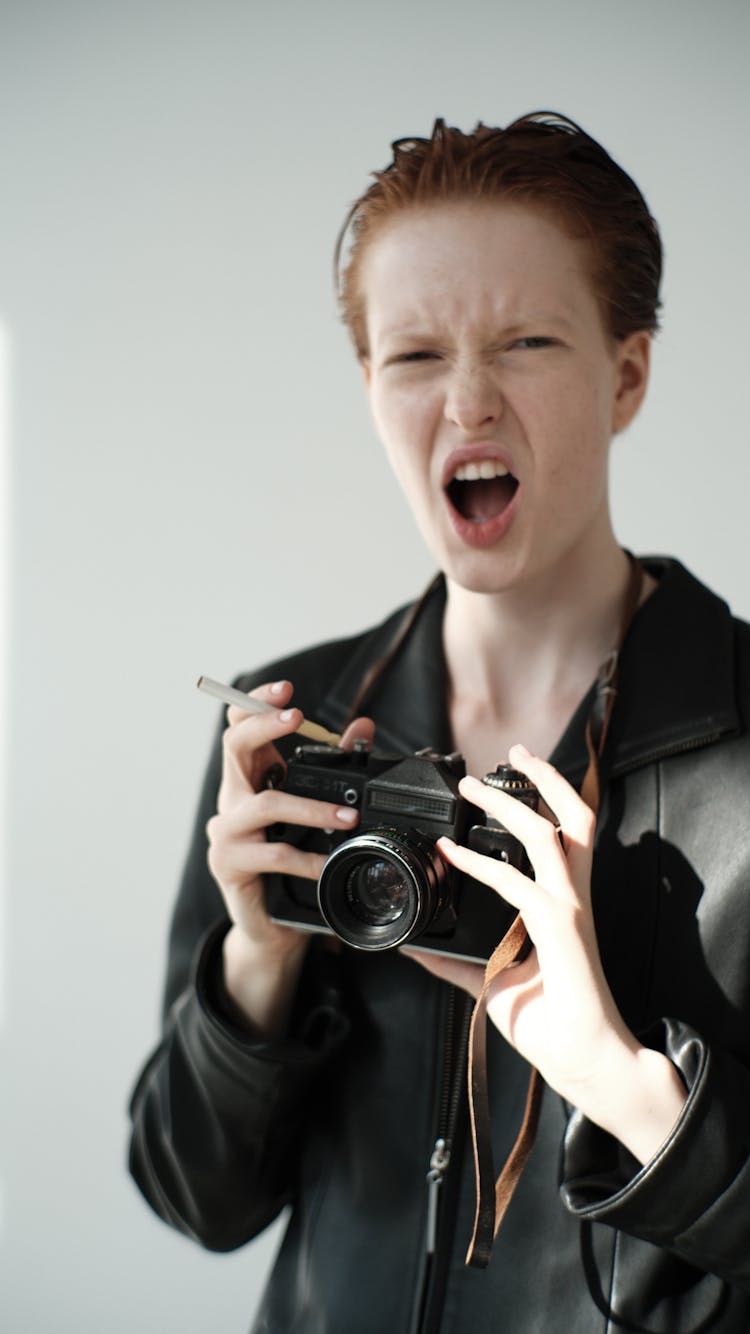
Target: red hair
x=543, y=159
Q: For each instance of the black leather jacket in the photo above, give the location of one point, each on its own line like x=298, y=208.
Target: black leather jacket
x=341, y=1118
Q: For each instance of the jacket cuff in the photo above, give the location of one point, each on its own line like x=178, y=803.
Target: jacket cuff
x=708, y=1145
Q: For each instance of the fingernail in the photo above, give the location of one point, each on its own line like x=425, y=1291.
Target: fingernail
x=522, y=751
x=346, y=815
x=286, y=715
x=277, y=687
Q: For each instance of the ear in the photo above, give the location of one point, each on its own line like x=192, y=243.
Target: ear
x=633, y=358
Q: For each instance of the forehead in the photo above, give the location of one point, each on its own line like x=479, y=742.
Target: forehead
x=475, y=261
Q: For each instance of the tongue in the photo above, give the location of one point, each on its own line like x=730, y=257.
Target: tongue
x=483, y=500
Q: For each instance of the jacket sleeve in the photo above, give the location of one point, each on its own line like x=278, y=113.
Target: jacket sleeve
x=217, y=1115
x=692, y=1197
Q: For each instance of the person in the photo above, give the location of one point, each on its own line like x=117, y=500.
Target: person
x=502, y=290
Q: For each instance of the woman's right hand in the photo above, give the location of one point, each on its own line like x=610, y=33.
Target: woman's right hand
x=262, y=959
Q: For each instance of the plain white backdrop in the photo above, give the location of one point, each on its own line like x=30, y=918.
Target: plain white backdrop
x=192, y=484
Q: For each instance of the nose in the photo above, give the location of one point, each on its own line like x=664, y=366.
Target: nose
x=473, y=398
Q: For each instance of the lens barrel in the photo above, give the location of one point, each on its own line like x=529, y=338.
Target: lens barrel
x=380, y=889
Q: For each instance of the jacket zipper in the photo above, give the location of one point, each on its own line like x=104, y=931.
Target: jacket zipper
x=455, y=1032
x=454, y=1046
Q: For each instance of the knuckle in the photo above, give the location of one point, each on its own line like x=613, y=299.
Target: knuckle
x=230, y=741
x=235, y=715
x=214, y=861
x=264, y=804
x=275, y=856
x=239, y=734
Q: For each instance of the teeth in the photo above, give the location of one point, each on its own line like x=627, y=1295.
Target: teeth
x=486, y=470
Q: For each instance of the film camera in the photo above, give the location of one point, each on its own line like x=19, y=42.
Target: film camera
x=387, y=885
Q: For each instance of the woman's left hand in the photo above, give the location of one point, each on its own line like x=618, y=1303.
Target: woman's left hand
x=556, y=1007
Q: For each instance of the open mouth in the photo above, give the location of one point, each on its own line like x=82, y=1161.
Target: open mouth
x=481, y=491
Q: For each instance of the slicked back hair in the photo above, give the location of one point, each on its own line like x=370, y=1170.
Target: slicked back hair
x=543, y=160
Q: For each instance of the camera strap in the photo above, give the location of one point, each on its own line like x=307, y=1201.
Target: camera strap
x=494, y=1196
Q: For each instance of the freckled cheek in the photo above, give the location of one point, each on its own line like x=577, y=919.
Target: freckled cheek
x=570, y=454
x=580, y=464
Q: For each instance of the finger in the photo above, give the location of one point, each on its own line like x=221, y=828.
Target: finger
x=249, y=750
x=538, y=836
x=275, y=693
x=257, y=810
x=243, y=861
x=263, y=727
x=577, y=820
x=361, y=729
x=571, y=810
x=509, y=883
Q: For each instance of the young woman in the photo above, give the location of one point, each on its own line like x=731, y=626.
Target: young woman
x=501, y=288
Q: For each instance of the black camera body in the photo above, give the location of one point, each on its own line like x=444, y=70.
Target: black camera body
x=386, y=884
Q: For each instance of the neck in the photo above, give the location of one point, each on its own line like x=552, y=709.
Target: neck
x=535, y=647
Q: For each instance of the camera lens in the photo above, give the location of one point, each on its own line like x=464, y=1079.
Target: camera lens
x=380, y=889
x=377, y=892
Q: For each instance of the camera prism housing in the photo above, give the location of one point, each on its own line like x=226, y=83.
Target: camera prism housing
x=386, y=885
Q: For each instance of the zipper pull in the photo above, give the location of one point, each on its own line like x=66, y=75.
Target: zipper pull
x=441, y=1156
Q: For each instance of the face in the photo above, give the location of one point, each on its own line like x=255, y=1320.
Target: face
x=496, y=388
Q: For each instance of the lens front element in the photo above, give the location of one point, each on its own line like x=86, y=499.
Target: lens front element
x=378, y=890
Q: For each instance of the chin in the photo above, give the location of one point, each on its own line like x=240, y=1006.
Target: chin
x=486, y=572
x=490, y=569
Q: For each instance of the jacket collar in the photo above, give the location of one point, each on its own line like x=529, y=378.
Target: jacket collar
x=409, y=701
x=676, y=680
x=677, y=671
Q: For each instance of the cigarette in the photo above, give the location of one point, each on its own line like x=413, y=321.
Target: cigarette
x=228, y=694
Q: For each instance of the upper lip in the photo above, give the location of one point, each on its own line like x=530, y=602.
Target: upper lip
x=474, y=454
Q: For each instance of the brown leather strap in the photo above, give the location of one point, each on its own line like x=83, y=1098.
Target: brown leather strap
x=494, y=1196
x=597, y=725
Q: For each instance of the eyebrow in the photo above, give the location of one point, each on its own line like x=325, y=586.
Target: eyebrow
x=417, y=334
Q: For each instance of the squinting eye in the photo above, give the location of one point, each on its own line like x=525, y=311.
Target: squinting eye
x=534, y=342
x=410, y=357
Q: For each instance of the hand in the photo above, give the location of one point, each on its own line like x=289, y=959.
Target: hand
x=262, y=959
x=556, y=1007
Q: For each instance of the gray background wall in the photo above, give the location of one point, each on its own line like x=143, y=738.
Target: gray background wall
x=193, y=484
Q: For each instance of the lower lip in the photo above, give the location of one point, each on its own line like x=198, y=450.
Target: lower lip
x=483, y=535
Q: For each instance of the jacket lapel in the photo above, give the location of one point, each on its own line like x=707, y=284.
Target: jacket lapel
x=409, y=700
